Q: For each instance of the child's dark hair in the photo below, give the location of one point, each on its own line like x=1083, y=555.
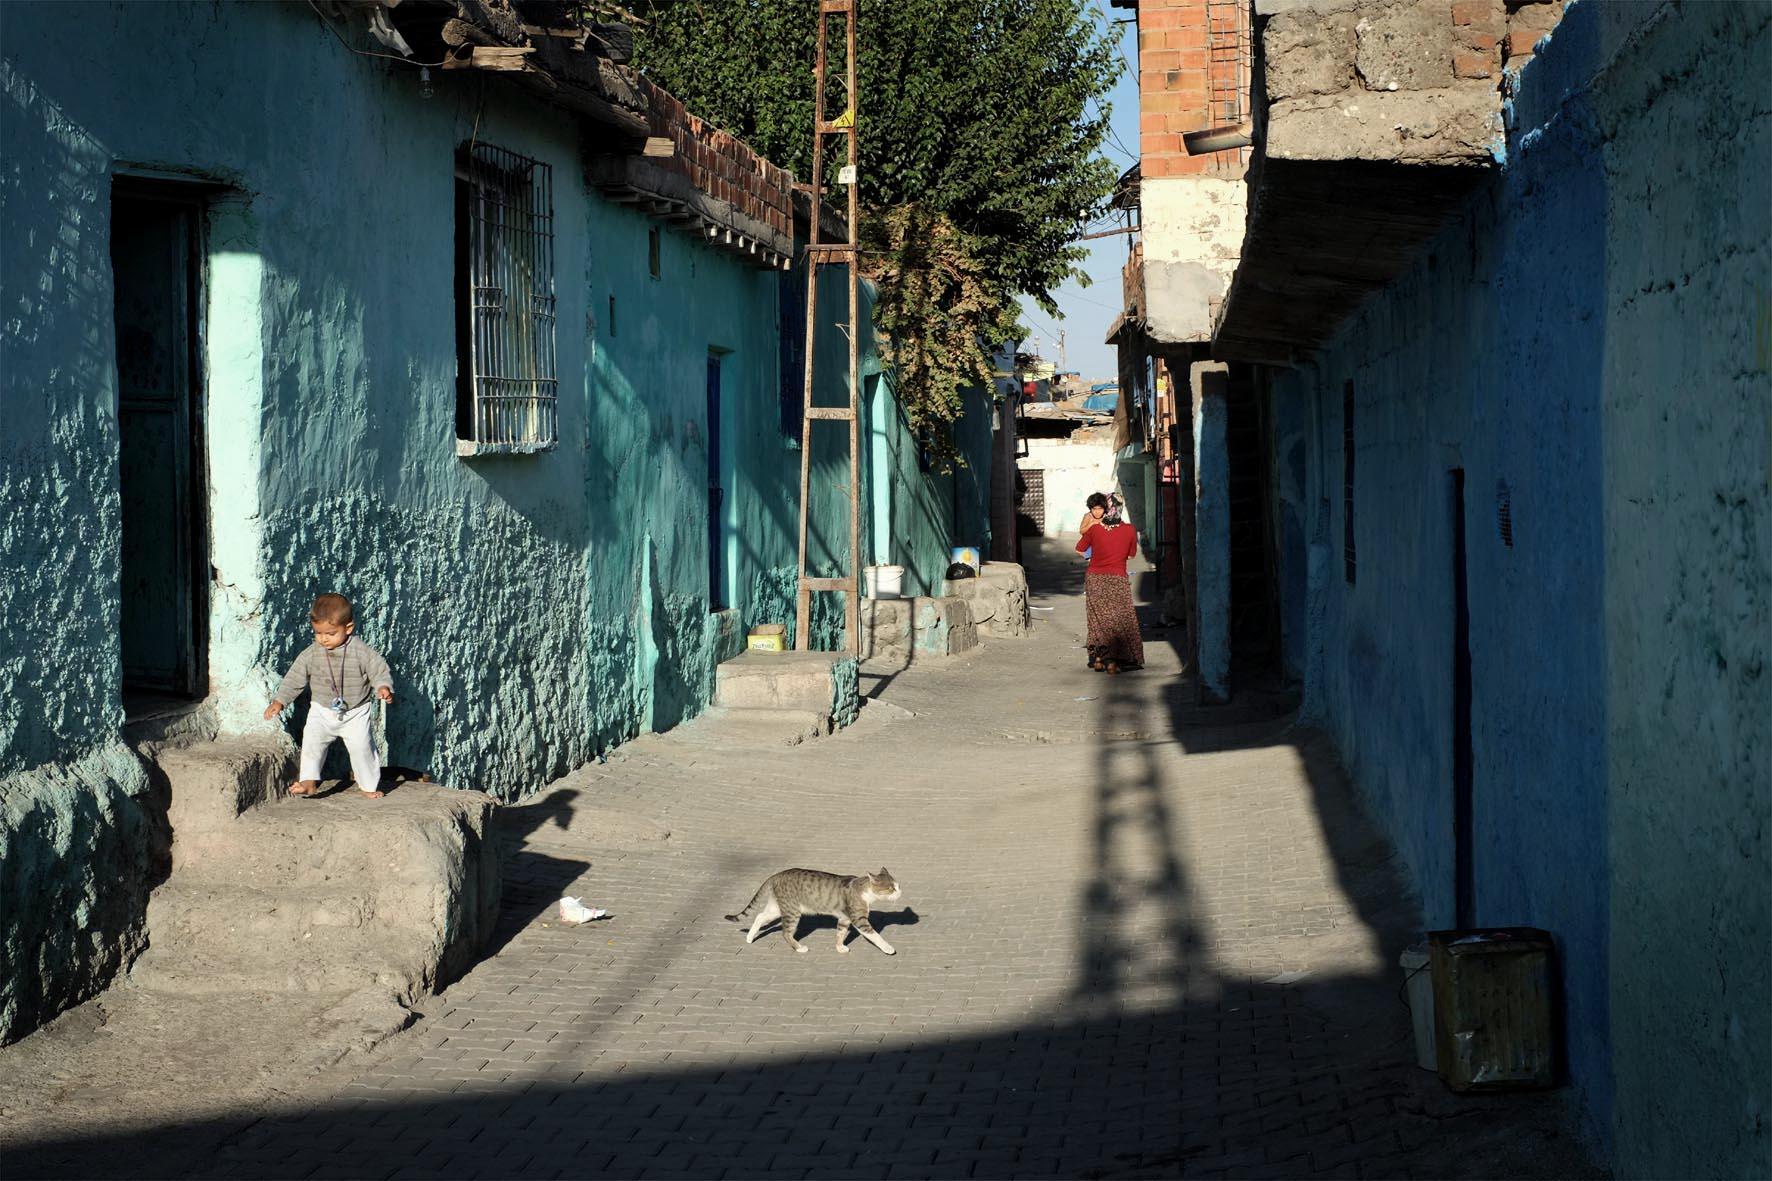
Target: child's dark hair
x=1096, y=500
x=332, y=608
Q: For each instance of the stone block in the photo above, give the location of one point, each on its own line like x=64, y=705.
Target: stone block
x=901, y=629
x=1407, y=47
x=776, y=680
x=942, y=626
x=1309, y=53
x=998, y=599
x=1454, y=125
x=886, y=628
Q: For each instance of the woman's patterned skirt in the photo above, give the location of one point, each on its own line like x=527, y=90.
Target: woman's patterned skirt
x=1113, y=623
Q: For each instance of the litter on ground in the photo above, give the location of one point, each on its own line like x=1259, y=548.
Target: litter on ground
x=574, y=911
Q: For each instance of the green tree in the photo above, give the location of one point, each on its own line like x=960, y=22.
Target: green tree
x=980, y=122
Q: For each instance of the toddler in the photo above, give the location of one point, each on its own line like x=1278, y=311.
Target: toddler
x=340, y=673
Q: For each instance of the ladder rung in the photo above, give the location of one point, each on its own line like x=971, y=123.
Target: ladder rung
x=842, y=412
x=834, y=5
x=832, y=129
x=827, y=584
x=829, y=248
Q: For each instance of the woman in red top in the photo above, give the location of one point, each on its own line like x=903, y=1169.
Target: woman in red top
x=1113, y=642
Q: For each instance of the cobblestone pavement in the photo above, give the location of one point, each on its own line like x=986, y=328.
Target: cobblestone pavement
x=1135, y=940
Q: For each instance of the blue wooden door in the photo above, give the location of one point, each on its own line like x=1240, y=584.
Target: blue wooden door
x=153, y=254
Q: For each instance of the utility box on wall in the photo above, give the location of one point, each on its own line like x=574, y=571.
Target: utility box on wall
x=1494, y=996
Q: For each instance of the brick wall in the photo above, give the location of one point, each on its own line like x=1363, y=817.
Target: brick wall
x=1192, y=74
x=720, y=164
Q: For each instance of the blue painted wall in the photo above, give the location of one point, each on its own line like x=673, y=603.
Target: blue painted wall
x=1578, y=342
x=535, y=608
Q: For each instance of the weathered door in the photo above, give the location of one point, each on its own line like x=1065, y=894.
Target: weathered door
x=154, y=238
x=716, y=493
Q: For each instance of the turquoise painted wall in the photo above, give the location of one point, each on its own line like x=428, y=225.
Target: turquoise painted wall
x=535, y=609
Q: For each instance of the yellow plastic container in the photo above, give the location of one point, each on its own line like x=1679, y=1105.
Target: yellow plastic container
x=767, y=637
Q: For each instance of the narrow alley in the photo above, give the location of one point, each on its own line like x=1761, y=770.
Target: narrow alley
x=1135, y=939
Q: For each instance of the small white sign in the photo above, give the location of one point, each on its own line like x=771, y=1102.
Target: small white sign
x=846, y=175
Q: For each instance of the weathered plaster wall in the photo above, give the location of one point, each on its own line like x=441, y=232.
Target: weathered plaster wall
x=1193, y=235
x=1074, y=468
x=1581, y=343
x=1685, y=115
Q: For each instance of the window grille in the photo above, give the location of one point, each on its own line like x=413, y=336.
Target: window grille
x=507, y=399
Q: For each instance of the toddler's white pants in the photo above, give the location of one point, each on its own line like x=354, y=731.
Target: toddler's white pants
x=356, y=728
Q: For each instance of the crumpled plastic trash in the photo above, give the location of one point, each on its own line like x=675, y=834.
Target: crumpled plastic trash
x=574, y=911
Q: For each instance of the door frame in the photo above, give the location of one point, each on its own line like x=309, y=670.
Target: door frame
x=193, y=196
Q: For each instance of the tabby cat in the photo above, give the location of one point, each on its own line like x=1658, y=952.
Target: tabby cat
x=794, y=892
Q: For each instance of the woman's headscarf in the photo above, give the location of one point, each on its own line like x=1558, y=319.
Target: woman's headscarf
x=1115, y=510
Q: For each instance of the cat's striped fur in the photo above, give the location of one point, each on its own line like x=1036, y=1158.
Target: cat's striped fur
x=795, y=892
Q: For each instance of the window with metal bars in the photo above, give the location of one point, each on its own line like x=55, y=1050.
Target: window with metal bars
x=507, y=390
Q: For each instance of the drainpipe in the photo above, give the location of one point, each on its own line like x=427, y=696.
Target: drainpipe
x=1218, y=139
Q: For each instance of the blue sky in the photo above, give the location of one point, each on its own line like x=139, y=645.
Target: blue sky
x=1085, y=313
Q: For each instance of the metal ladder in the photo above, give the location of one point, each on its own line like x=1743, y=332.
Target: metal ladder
x=837, y=254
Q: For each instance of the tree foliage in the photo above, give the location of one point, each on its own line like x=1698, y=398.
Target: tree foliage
x=980, y=128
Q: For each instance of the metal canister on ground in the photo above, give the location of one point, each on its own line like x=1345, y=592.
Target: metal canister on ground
x=1493, y=996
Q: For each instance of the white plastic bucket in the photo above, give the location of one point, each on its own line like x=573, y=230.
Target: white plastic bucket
x=1419, y=978
x=883, y=582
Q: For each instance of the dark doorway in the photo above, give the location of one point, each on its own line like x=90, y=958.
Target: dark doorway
x=716, y=493
x=1255, y=612
x=1464, y=871
x=155, y=259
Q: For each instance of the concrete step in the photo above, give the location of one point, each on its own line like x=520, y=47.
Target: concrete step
x=191, y=910
x=211, y=784
x=730, y=725
x=344, y=960
x=801, y=681
x=420, y=834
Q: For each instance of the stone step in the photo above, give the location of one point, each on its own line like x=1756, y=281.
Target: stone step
x=344, y=960
x=735, y=725
x=191, y=910
x=211, y=784
x=416, y=834
x=802, y=681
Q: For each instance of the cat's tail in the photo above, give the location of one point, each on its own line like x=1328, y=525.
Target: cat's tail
x=749, y=906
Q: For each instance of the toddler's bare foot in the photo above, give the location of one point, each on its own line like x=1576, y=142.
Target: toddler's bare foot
x=304, y=787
